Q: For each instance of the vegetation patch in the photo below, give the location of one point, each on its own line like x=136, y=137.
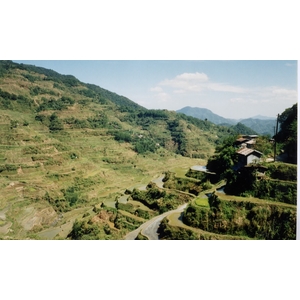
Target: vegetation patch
x=202, y=201
x=243, y=218
x=158, y=199
x=187, y=185
x=274, y=185
x=168, y=232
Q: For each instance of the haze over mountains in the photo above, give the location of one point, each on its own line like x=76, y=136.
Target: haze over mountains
x=261, y=124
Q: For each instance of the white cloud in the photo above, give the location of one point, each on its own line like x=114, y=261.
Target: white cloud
x=277, y=95
x=197, y=90
x=164, y=97
x=267, y=101
x=268, y=95
x=156, y=89
x=178, y=91
x=193, y=76
x=223, y=87
x=186, y=81
x=290, y=65
x=284, y=92
x=197, y=82
x=238, y=100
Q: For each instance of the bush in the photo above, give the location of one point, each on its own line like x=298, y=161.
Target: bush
x=84, y=230
x=206, y=185
x=31, y=78
x=55, y=123
x=8, y=167
x=53, y=104
x=123, y=136
x=159, y=200
x=167, y=232
x=144, y=145
x=243, y=218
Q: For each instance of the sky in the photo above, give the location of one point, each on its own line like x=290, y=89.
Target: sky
x=230, y=88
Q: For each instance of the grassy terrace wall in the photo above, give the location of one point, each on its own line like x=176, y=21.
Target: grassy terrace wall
x=202, y=176
x=259, y=220
x=278, y=184
x=160, y=200
x=188, y=185
x=169, y=232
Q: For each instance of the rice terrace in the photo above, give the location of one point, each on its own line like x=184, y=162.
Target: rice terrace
x=81, y=162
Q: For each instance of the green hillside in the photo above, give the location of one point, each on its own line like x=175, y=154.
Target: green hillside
x=67, y=147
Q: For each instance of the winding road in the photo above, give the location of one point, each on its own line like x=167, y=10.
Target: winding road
x=149, y=229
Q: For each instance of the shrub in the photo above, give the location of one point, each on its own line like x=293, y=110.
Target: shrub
x=167, y=232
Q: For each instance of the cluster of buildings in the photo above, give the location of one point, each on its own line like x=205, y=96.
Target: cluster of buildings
x=246, y=152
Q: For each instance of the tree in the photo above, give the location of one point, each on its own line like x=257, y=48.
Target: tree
x=288, y=132
x=224, y=159
x=55, y=123
x=13, y=124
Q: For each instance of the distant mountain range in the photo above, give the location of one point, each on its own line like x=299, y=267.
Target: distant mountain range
x=260, y=117
x=260, y=124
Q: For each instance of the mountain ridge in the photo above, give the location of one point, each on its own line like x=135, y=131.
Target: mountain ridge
x=261, y=124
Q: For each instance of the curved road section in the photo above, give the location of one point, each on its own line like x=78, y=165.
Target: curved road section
x=149, y=229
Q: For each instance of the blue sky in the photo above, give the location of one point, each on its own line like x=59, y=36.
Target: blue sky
x=232, y=89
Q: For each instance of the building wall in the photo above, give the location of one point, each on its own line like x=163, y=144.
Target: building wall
x=242, y=159
x=251, y=158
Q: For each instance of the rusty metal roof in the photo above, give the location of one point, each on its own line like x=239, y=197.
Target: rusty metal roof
x=247, y=151
x=241, y=140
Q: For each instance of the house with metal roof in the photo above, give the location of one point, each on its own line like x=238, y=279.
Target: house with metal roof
x=248, y=156
x=250, y=143
x=245, y=141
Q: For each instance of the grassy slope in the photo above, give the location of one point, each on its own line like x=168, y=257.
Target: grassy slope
x=38, y=161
